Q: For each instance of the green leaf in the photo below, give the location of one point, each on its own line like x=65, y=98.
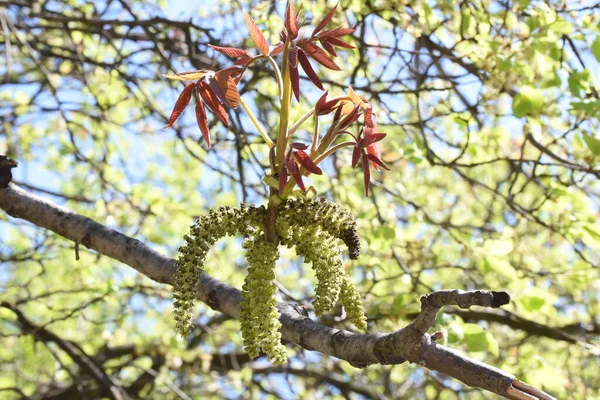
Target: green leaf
x=532, y=303
x=596, y=48
x=493, y=346
x=593, y=144
x=479, y=340
x=528, y=101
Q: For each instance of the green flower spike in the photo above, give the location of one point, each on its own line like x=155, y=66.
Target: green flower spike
x=204, y=233
x=259, y=316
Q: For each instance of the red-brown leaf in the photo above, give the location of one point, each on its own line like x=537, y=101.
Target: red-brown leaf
x=325, y=20
x=216, y=89
x=230, y=51
x=299, y=146
x=337, y=32
x=308, y=69
x=256, y=35
x=367, y=174
x=228, y=86
x=243, y=61
x=308, y=164
x=291, y=24
x=318, y=55
x=295, y=80
x=377, y=161
x=356, y=152
x=368, y=140
x=329, y=47
x=278, y=48
x=182, y=101
x=350, y=118
x=213, y=103
x=293, y=169
x=374, y=151
x=293, y=57
x=369, y=118
x=320, y=105
x=283, y=177
x=202, y=121
x=337, y=42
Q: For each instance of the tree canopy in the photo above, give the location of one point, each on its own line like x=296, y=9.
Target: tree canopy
x=490, y=110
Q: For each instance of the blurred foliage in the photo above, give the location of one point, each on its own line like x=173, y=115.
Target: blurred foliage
x=491, y=110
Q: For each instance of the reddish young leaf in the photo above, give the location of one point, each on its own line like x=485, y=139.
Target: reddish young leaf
x=337, y=32
x=216, y=89
x=228, y=86
x=337, y=42
x=283, y=177
x=320, y=105
x=256, y=34
x=369, y=118
x=318, y=55
x=367, y=174
x=356, y=152
x=377, y=161
x=325, y=20
x=212, y=102
x=291, y=24
x=299, y=146
x=189, y=75
x=293, y=169
x=369, y=139
x=282, y=36
x=230, y=51
x=350, y=118
x=308, y=164
x=329, y=47
x=356, y=99
x=295, y=79
x=278, y=48
x=230, y=71
x=182, y=101
x=202, y=121
x=308, y=69
x=293, y=57
x=243, y=61
x=338, y=111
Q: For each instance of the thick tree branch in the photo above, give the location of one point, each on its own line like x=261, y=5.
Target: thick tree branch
x=408, y=344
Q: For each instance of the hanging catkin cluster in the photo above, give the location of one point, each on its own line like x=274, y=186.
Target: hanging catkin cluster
x=315, y=227
x=204, y=233
x=259, y=316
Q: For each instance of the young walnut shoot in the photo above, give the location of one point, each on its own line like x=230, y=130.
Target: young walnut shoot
x=293, y=217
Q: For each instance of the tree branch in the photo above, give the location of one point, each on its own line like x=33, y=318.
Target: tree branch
x=411, y=343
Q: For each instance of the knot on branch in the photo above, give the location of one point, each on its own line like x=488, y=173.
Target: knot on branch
x=462, y=299
x=6, y=164
x=433, y=302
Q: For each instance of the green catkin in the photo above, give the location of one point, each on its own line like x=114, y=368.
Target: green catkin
x=314, y=226
x=259, y=315
x=331, y=217
x=204, y=233
x=350, y=299
x=320, y=249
